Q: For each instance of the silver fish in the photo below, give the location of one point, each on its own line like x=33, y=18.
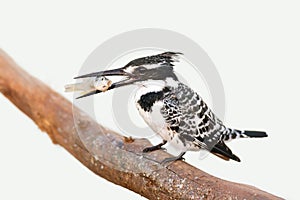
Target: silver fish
x=89, y=85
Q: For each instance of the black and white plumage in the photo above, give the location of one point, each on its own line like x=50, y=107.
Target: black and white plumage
x=173, y=110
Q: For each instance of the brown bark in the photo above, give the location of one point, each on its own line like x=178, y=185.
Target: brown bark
x=114, y=157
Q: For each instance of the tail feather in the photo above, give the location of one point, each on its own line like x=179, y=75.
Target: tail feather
x=223, y=151
x=230, y=134
x=257, y=134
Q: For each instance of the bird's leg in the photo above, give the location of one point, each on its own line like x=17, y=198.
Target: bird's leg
x=156, y=147
x=167, y=160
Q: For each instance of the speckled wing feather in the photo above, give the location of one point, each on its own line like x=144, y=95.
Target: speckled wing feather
x=171, y=111
x=188, y=115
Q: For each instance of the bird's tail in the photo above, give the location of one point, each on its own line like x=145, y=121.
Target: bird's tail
x=230, y=134
x=223, y=151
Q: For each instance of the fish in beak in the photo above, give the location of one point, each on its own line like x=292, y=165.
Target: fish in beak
x=102, y=85
x=90, y=85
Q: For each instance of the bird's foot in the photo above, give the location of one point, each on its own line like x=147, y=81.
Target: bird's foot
x=154, y=148
x=171, y=159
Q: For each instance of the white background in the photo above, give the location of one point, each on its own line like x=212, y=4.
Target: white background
x=255, y=47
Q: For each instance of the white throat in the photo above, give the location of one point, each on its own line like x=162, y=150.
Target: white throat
x=153, y=86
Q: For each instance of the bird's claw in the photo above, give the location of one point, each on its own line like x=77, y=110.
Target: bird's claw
x=171, y=159
x=154, y=148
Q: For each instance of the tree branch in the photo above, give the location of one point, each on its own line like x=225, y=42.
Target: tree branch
x=115, y=158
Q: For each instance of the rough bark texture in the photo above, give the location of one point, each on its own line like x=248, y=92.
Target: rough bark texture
x=114, y=157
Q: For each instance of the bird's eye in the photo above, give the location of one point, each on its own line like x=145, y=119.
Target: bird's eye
x=142, y=69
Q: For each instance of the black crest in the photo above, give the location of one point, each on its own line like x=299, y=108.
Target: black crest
x=166, y=58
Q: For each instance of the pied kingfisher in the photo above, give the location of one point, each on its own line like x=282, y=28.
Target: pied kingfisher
x=172, y=109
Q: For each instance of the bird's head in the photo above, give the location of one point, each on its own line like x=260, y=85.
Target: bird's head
x=140, y=70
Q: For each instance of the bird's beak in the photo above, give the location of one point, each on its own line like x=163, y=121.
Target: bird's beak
x=112, y=72
x=129, y=79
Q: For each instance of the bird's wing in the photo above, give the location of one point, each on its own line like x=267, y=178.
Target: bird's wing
x=171, y=111
x=188, y=115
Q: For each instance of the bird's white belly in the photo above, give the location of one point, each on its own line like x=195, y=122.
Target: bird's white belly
x=157, y=123
x=155, y=120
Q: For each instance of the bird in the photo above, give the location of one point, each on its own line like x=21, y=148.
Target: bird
x=172, y=109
